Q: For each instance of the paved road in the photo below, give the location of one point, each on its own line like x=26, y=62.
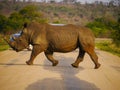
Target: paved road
x=16, y=75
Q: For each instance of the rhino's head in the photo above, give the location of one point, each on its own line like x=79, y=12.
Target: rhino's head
x=18, y=43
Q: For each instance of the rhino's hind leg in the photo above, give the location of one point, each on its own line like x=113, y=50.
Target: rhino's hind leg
x=49, y=55
x=94, y=57
x=79, y=58
x=29, y=63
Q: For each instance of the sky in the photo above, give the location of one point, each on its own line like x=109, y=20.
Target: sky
x=83, y=1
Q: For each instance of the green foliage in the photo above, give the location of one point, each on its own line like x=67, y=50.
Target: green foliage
x=116, y=35
x=16, y=19
x=3, y=21
x=102, y=28
x=99, y=27
x=3, y=44
x=11, y=23
x=108, y=46
x=30, y=12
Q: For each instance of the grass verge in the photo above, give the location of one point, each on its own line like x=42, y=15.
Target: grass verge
x=3, y=44
x=3, y=47
x=109, y=47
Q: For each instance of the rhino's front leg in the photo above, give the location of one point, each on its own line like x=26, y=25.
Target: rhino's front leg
x=49, y=55
x=36, y=50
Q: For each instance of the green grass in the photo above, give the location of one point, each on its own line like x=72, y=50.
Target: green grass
x=109, y=47
x=3, y=44
x=4, y=47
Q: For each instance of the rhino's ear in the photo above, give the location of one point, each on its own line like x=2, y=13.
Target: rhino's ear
x=25, y=25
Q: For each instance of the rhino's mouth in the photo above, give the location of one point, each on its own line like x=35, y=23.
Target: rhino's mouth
x=17, y=50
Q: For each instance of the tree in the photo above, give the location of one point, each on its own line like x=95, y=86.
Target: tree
x=15, y=20
x=3, y=21
x=100, y=28
x=116, y=33
x=31, y=13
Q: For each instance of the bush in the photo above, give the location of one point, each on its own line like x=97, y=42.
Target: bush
x=116, y=35
x=102, y=27
x=108, y=46
x=3, y=21
x=16, y=20
x=31, y=13
x=99, y=28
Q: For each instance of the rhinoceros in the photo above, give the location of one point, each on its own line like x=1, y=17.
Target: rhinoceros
x=49, y=39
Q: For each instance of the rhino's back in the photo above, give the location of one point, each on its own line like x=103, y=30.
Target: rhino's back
x=62, y=38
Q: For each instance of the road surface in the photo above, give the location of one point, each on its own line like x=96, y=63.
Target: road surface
x=16, y=75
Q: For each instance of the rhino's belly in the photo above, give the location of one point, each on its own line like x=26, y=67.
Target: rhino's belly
x=63, y=43
x=63, y=48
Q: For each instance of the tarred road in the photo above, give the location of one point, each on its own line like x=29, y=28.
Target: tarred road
x=16, y=75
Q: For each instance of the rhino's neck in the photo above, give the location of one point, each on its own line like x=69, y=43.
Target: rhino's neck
x=29, y=35
x=33, y=31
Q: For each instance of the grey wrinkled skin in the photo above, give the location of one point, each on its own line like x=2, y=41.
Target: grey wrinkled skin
x=49, y=39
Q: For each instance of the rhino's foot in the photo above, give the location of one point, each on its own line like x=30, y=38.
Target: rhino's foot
x=55, y=63
x=74, y=65
x=97, y=66
x=29, y=63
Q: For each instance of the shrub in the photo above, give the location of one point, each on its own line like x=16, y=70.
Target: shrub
x=3, y=21
x=31, y=12
x=99, y=28
x=116, y=35
x=16, y=20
